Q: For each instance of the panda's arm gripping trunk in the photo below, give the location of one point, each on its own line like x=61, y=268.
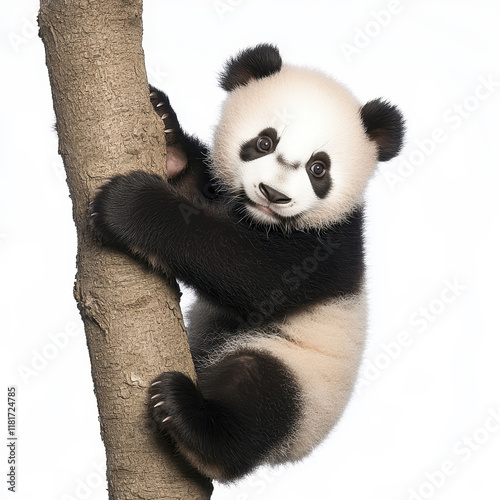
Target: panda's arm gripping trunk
x=232, y=263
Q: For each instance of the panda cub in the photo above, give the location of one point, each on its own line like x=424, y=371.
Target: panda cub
x=267, y=228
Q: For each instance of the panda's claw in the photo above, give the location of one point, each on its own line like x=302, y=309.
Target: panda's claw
x=156, y=396
x=158, y=404
x=166, y=418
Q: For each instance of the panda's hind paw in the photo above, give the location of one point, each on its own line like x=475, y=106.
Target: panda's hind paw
x=171, y=395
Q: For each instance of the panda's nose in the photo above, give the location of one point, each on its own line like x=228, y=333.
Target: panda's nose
x=272, y=195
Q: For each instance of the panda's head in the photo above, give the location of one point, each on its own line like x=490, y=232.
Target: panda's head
x=294, y=145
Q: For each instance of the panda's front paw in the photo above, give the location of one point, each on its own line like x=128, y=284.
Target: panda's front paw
x=107, y=211
x=162, y=107
x=173, y=399
x=120, y=207
x=174, y=136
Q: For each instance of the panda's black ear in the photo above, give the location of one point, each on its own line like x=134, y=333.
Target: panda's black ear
x=385, y=125
x=250, y=64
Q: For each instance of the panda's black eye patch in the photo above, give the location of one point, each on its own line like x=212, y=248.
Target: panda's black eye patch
x=318, y=170
x=264, y=144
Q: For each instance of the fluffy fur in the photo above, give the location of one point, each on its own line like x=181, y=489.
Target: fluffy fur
x=268, y=229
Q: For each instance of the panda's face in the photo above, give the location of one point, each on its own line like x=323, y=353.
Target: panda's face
x=293, y=147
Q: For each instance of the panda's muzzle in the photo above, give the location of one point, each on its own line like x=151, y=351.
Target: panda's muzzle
x=274, y=196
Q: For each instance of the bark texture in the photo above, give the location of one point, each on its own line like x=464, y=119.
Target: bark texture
x=132, y=318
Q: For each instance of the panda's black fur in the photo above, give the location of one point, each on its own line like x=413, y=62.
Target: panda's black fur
x=259, y=285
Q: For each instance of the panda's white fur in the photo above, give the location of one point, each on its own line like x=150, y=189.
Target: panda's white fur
x=325, y=119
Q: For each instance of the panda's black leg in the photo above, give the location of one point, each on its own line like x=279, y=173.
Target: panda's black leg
x=242, y=408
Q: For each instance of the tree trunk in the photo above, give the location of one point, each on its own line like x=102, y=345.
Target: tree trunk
x=134, y=327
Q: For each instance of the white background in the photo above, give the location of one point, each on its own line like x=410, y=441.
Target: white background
x=425, y=419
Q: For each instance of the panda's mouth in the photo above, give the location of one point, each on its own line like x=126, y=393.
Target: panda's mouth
x=265, y=212
x=265, y=209
x=257, y=209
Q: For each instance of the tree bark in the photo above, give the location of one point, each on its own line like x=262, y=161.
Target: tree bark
x=134, y=327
